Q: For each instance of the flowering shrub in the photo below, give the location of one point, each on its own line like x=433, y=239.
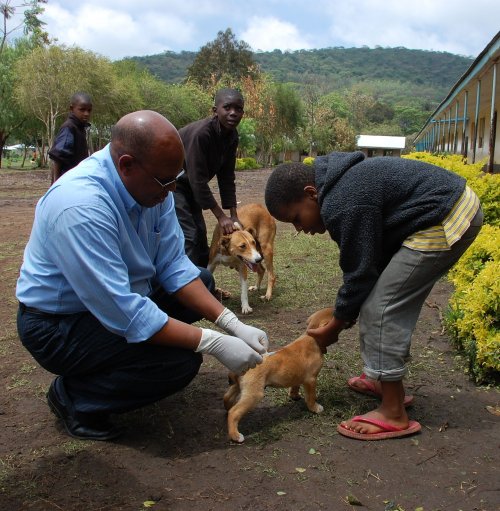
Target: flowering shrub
x=486, y=186
x=246, y=164
x=473, y=318
x=308, y=160
x=474, y=309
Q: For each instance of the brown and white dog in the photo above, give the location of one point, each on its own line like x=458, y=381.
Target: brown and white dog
x=298, y=363
x=250, y=248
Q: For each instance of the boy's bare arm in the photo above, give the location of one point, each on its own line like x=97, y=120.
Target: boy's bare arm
x=55, y=171
x=226, y=223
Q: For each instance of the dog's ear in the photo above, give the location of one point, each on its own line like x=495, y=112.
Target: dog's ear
x=252, y=231
x=225, y=241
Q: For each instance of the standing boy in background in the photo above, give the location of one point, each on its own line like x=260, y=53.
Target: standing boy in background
x=70, y=146
x=210, y=145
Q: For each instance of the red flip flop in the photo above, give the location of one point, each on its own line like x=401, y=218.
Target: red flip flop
x=368, y=388
x=388, y=430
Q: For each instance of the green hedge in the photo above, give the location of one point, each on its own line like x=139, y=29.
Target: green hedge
x=247, y=164
x=473, y=316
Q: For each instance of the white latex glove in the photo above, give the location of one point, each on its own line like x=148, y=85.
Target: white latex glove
x=254, y=337
x=234, y=353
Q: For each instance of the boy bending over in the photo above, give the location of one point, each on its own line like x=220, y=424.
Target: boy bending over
x=400, y=225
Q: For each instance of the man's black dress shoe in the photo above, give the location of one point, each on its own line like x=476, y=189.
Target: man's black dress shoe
x=92, y=428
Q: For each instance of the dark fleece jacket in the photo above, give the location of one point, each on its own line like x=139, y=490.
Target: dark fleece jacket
x=70, y=146
x=370, y=206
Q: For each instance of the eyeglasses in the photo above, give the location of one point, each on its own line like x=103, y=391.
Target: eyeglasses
x=171, y=182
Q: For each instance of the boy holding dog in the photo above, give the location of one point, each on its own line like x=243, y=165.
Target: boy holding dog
x=400, y=225
x=210, y=146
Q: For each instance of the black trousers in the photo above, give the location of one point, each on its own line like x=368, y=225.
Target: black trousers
x=191, y=220
x=100, y=372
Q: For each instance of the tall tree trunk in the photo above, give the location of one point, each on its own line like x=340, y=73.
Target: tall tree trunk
x=3, y=139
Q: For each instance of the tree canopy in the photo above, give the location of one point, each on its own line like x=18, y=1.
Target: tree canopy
x=224, y=56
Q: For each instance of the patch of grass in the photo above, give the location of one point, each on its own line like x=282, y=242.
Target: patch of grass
x=72, y=447
x=18, y=382
x=27, y=368
x=302, y=263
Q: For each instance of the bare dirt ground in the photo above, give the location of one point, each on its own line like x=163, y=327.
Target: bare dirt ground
x=175, y=455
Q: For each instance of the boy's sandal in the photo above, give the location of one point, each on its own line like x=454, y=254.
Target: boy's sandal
x=388, y=430
x=365, y=386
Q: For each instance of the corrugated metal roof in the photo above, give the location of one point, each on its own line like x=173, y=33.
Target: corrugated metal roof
x=380, y=142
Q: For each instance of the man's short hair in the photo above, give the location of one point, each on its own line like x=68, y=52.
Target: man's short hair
x=80, y=97
x=135, y=140
x=223, y=94
x=286, y=185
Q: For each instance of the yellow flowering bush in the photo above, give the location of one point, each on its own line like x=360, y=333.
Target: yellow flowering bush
x=473, y=318
x=474, y=310
x=246, y=164
x=308, y=160
x=486, y=186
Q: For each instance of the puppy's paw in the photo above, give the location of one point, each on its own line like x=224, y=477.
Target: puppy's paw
x=317, y=408
x=266, y=297
x=238, y=439
x=252, y=288
x=246, y=309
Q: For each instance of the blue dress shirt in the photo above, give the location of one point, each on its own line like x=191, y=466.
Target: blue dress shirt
x=93, y=247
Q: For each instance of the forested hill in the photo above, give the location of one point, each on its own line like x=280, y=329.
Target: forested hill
x=338, y=68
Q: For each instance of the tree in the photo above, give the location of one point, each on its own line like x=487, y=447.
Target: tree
x=276, y=110
x=11, y=117
x=32, y=25
x=180, y=104
x=311, y=96
x=246, y=130
x=225, y=56
x=333, y=133
x=48, y=77
x=359, y=106
x=410, y=119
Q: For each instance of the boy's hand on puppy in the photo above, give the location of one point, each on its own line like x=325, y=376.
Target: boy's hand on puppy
x=254, y=337
x=323, y=337
x=233, y=352
x=328, y=334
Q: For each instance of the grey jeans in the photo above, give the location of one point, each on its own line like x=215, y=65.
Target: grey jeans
x=389, y=314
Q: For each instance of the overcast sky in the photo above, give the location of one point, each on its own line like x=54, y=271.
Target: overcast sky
x=121, y=28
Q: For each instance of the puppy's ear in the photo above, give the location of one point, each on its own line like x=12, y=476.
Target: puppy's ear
x=320, y=318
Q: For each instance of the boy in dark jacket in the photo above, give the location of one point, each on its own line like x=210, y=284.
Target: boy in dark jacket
x=210, y=145
x=70, y=146
x=400, y=225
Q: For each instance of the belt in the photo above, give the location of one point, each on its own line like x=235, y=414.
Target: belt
x=33, y=310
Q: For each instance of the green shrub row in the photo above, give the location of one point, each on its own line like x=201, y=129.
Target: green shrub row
x=473, y=316
x=246, y=164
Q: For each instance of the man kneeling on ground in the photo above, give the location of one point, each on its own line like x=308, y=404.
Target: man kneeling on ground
x=106, y=292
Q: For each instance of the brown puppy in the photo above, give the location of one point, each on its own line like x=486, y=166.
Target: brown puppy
x=249, y=248
x=296, y=364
